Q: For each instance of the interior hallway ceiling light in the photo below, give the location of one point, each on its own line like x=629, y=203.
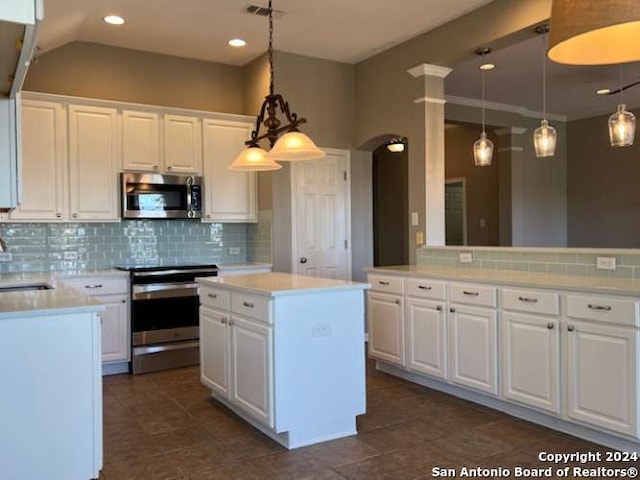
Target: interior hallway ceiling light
x=622, y=124
x=545, y=136
x=292, y=146
x=596, y=32
x=483, y=147
x=113, y=20
x=396, y=145
x=237, y=42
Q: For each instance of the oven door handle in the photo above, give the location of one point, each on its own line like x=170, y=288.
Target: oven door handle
x=164, y=348
x=151, y=292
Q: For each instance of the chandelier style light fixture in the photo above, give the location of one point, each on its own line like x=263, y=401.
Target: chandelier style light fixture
x=545, y=136
x=483, y=147
x=622, y=124
x=292, y=146
x=599, y=32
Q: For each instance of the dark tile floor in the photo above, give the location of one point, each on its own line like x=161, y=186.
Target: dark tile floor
x=165, y=426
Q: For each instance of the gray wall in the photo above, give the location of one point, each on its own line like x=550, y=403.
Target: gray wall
x=361, y=214
x=603, y=194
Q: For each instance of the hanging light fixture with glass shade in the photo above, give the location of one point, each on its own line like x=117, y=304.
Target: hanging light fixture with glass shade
x=622, y=124
x=292, y=146
x=545, y=136
x=483, y=147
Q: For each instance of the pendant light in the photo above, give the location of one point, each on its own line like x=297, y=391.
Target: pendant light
x=622, y=124
x=545, y=136
x=483, y=147
x=292, y=146
x=396, y=145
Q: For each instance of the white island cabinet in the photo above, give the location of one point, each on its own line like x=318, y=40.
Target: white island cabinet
x=286, y=353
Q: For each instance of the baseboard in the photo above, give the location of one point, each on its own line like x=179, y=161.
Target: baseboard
x=115, y=368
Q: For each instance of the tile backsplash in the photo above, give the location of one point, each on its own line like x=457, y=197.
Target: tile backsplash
x=39, y=247
x=259, y=237
x=562, y=261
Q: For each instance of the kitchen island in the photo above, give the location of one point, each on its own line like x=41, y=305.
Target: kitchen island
x=286, y=353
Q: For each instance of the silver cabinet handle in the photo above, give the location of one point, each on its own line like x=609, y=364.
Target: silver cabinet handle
x=303, y=259
x=425, y=287
x=381, y=282
x=93, y=285
x=439, y=308
x=247, y=304
x=212, y=295
x=571, y=328
x=74, y=215
x=528, y=299
x=208, y=215
x=606, y=308
x=223, y=321
x=550, y=325
x=169, y=167
x=58, y=215
x=155, y=167
x=452, y=310
x=398, y=302
x=124, y=300
x=473, y=294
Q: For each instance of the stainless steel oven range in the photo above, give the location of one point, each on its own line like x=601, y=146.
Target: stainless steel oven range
x=164, y=316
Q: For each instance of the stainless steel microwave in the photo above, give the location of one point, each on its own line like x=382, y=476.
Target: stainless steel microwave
x=152, y=195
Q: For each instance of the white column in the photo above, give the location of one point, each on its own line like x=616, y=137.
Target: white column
x=434, y=101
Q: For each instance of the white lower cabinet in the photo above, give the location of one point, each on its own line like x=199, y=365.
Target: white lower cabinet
x=115, y=334
x=473, y=345
x=386, y=327
x=602, y=376
x=531, y=360
x=427, y=337
x=214, y=360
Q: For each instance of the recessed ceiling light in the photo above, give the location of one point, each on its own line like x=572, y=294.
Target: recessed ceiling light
x=487, y=66
x=603, y=91
x=114, y=20
x=237, y=42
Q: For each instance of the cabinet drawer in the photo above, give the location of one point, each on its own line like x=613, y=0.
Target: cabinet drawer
x=424, y=288
x=389, y=284
x=97, y=285
x=604, y=309
x=253, y=306
x=473, y=294
x=532, y=301
x=215, y=297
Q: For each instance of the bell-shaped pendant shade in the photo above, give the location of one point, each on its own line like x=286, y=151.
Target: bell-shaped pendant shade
x=254, y=159
x=295, y=146
x=622, y=127
x=483, y=151
x=544, y=140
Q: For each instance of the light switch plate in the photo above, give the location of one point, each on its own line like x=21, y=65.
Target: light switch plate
x=415, y=220
x=606, y=263
x=6, y=257
x=234, y=251
x=466, y=257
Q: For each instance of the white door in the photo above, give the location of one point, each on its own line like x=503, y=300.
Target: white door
x=426, y=338
x=141, y=141
x=115, y=345
x=531, y=360
x=251, y=367
x=44, y=157
x=321, y=217
x=182, y=144
x=214, y=350
x=386, y=327
x=94, y=162
x=474, y=350
x=602, y=376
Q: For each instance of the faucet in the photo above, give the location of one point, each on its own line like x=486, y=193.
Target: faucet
x=3, y=245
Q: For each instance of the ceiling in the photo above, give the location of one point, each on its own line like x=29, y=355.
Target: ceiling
x=340, y=30
x=517, y=80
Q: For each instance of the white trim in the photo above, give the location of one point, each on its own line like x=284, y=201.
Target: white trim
x=440, y=101
x=427, y=70
x=510, y=131
x=503, y=107
x=511, y=149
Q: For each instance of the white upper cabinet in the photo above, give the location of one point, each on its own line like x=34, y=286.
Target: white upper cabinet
x=44, y=156
x=141, y=141
x=94, y=162
x=229, y=196
x=182, y=144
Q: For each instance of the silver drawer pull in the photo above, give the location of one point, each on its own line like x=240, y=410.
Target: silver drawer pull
x=606, y=308
x=528, y=299
x=550, y=325
x=212, y=295
x=473, y=294
x=425, y=287
x=383, y=283
x=247, y=304
x=223, y=321
x=97, y=285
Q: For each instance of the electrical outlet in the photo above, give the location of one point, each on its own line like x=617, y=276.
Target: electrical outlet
x=70, y=255
x=465, y=257
x=321, y=330
x=6, y=257
x=419, y=238
x=234, y=251
x=606, y=263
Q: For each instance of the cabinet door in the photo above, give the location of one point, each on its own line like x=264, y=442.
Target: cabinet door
x=182, y=144
x=474, y=348
x=94, y=162
x=426, y=338
x=115, y=332
x=44, y=156
x=141, y=141
x=214, y=350
x=252, y=369
x=386, y=327
x=602, y=376
x=531, y=360
x=229, y=196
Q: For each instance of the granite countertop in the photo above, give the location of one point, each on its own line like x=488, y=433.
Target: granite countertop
x=619, y=286
x=276, y=284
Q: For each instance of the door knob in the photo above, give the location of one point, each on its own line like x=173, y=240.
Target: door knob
x=303, y=259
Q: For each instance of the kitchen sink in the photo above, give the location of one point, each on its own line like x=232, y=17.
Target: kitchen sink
x=26, y=287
